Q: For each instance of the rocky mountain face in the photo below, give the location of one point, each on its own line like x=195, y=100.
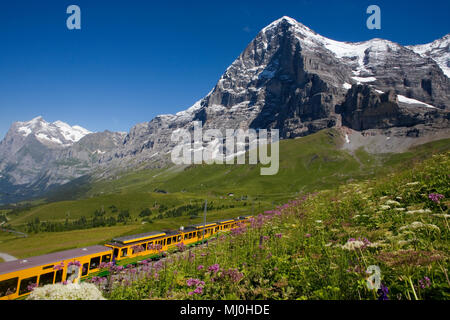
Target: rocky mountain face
x=288, y=78
x=36, y=155
x=297, y=81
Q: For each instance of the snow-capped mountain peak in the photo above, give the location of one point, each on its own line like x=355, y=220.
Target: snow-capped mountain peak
x=438, y=50
x=56, y=133
x=71, y=133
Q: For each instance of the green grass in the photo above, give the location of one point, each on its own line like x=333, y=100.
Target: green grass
x=320, y=247
x=307, y=164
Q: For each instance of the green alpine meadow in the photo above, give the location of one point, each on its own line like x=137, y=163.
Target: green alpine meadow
x=317, y=246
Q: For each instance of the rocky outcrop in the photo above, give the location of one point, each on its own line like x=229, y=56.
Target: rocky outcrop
x=365, y=108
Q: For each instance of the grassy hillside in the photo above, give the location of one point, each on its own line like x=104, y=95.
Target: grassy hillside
x=175, y=196
x=384, y=238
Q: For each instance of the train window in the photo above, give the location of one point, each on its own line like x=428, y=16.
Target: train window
x=8, y=287
x=164, y=243
x=179, y=238
x=149, y=245
x=199, y=234
x=58, y=277
x=169, y=241
x=174, y=239
x=85, y=269
x=106, y=258
x=144, y=246
x=95, y=262
x=46, y=278
x=124, y=252
x=185, y=236
x=25, y=283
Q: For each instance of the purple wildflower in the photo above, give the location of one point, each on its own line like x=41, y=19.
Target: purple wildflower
x=194, y=282
x=181, y=246
x=436, y=197
x=383, y=292
x=214, y=268
x=199, y=290
x=59, y=266
x=31, y=286
x=74, y=263
x=425, y=283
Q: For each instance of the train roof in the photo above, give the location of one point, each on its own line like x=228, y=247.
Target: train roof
x=189, y=229
x=173, y=232
x=244, y=217
x=138, y=237
x=225, y=221
x=200, y=225
x=48, y=259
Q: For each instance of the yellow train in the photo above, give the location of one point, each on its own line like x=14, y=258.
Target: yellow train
x=17, y=278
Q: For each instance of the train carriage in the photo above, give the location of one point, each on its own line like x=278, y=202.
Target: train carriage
x=19, y=276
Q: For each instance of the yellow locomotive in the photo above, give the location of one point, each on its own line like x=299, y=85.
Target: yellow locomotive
x=17, y=278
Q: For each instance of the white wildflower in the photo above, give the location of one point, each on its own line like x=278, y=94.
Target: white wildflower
x=402, y=243
x=433, y=227
x=419, y=225
x=441, y=215
x=353, y=245
x=378, y=244
x=393, y=202
x=83, y=291
x=416, y=225
x=384, y=207
x=418, y=211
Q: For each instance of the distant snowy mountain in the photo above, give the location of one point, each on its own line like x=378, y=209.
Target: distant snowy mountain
x=57, y=133
x=36, y=154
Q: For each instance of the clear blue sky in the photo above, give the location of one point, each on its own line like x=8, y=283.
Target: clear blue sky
x=133, y=60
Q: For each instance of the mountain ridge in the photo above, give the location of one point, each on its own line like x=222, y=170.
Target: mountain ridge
x=290, y=78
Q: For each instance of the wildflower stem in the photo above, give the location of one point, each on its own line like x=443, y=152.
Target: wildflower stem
x=412, y=287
